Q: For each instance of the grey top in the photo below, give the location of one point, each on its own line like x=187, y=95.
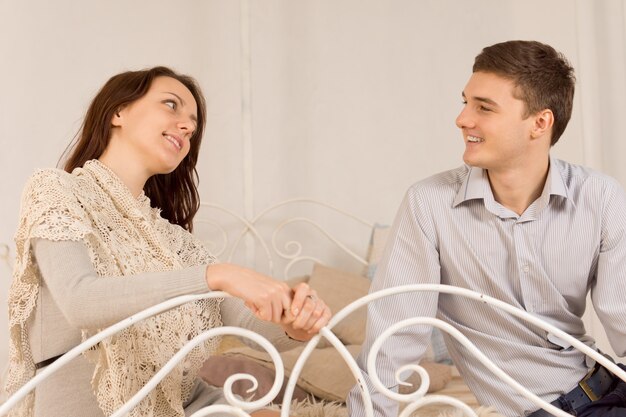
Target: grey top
x=450, y=230
x=73, y=297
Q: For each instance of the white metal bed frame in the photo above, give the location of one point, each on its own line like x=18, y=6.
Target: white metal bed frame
x=292, y=254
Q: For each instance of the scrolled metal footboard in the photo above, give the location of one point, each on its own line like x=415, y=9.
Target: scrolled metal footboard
x=418, y=398
x=413, y=401
x=237, y=406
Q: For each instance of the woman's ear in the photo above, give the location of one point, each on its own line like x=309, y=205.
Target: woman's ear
x=544, y=120
x=116, y=120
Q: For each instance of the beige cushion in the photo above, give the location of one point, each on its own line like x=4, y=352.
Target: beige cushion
x=316, y=374
x=216, y=369
x=326, y=375
x=338, y=289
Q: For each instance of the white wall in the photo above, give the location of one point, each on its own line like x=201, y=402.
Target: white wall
x=350, y=101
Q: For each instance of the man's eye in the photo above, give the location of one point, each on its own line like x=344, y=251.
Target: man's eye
x=483, y=108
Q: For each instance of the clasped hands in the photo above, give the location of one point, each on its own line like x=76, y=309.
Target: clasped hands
x=299, y=311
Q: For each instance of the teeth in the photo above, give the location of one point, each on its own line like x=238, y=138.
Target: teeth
x=172, y=140
x=474, y=139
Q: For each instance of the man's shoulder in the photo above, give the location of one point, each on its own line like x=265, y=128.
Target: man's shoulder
x=441, y=183
x=576, y=176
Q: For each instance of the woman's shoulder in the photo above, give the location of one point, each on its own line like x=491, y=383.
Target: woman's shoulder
x=49, y=183
x=50, y=207
x=52, y=176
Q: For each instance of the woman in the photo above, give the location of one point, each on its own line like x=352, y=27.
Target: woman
x=110, y=236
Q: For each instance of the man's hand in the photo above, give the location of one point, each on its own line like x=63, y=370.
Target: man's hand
x=307, y=314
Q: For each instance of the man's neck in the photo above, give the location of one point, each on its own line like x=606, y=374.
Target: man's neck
x=517, y=189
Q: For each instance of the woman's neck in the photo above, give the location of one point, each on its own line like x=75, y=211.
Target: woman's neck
x=130, y=173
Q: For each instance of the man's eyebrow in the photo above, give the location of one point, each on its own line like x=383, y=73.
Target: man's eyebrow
x=193, y=116
x=481, y=99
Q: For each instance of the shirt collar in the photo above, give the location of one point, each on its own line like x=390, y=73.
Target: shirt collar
x=476, y=185
x=556, y=181
x=473, y=186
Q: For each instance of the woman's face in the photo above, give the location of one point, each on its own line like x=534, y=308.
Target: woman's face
x=155, y=130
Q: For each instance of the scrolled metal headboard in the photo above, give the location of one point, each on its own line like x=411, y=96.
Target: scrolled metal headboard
x=280, y=250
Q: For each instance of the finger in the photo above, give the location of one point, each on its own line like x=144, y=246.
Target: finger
x=315, y=315
x=275, y=298
x=252, y=308
x=299, y=298
x=277, y=310
x=321, y=322
x=305, y=314
x=287, y=301
x=287, y=317
x=260, y=311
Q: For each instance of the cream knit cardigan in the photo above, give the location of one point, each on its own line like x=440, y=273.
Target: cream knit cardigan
x=124, y=236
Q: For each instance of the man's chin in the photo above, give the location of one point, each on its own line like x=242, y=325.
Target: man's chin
x=470, y=161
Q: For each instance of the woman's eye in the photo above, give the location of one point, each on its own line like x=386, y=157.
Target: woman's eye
x=171, y=104
x=483, y=108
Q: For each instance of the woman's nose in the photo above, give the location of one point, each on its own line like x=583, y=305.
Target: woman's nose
x=186, y=125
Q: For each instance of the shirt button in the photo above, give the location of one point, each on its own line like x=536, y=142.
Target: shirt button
x=525, y=268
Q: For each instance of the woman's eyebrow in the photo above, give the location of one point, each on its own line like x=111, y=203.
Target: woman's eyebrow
x=193, y=116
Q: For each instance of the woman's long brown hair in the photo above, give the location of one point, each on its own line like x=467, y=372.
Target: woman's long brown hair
x=176, y=193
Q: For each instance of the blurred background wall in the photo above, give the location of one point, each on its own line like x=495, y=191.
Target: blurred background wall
x=345, y=101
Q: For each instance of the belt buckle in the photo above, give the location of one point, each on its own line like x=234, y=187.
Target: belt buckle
x=585, y=386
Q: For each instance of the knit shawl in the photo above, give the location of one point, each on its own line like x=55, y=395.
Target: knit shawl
x=124, y=236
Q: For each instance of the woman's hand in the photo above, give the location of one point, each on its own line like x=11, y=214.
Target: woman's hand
x=266, y=297
x=307, y=314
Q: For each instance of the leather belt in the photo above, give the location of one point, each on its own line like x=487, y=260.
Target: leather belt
x=47, y=362
x=595, y=385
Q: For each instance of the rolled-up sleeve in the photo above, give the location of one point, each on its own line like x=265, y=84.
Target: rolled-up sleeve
x=410, y=257
x=608, y=290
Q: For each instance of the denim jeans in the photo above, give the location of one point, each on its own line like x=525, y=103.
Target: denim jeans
x=612, y=404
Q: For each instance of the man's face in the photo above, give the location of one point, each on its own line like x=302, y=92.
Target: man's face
x=495, y=133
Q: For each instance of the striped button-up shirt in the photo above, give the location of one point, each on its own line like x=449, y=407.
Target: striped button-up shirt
x=450, y=230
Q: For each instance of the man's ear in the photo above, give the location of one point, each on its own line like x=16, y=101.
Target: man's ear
x=543, y=122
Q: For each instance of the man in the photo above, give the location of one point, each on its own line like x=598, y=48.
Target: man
x=520, y=226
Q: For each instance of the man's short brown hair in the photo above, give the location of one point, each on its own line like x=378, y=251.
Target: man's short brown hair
x=543, y=77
